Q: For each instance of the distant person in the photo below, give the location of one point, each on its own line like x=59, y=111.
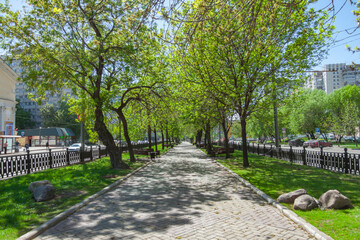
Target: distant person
x=27, y=146
x=16, y=146
x=5, y=147
x=47, y=145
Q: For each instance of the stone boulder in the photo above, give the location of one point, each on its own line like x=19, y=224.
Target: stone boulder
x=36, y=184
x=42, y=190
x=291, y=196
x=334, y=199
x=305, y=203
x=44, y=193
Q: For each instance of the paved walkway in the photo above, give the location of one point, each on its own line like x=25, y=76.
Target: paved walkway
x=184, y=195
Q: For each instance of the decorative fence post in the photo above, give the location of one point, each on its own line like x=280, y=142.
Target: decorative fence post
x=28, y=162
x=346, y=162
x=91, y=153
x=321, y=157
x=279, y=152
x=291, y=155
x=304, y=156
x=67, y=156
x=271, y=151
x=50, y=159
x=258, y=149
x=264, y=150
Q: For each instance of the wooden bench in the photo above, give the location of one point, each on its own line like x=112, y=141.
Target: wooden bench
x=200, y=145
x=223, y=150
x=145, y=151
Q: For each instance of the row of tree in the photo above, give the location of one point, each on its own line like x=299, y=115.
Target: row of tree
x=245, y=56
x=337, y=113
x=106, y=52
x=211, y=59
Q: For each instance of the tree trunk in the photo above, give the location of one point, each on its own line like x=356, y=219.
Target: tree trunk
x=208, y=138
x=205, y=138
x=312, y=135
x=120, y=142
x=149, y=135
x=162, y=139
x=356, y=142
x=226, y=131
x=167, y=135
x=244, y=142
x=276, y=126
x=108, y=140
x=126, y=135
x=155, y=139
x=198, y=137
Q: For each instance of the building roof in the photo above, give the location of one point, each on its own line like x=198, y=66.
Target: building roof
x=61, y=132
x=9, y=71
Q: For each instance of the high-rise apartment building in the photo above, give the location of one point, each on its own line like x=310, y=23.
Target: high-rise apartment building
x=334, y=76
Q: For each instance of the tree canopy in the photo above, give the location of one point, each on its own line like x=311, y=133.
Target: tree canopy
x=215, y=59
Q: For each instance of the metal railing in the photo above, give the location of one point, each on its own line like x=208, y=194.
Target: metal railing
x=344, y=162
x=22, y=164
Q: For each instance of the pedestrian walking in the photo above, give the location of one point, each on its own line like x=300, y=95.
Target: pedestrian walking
x=5, y=147
x=27, y=146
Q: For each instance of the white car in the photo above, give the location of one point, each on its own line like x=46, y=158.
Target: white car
x=76, y=147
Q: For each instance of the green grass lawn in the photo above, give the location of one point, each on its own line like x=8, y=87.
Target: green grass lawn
x=275, y=177
x=347, y=144
x=19, y=213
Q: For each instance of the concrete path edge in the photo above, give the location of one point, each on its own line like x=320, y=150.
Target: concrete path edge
x=58, y=218
x=284, y=210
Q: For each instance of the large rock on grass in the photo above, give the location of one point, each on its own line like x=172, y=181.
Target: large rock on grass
x=291, y=196
x=44, y=193
x=305, y=203
x=335, y=200
x=37, y=184
x=42, y=190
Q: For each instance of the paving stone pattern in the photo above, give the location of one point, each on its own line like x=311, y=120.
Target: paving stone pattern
x=184, y=195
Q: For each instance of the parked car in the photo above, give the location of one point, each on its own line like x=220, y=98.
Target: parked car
x=349, y=138
x=76, y=147
x=330, y=136
x=307, y=143
x=296, y=142
x=318, y=143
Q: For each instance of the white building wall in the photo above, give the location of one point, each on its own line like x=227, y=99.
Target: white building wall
x=334, y=76
x=8, y=79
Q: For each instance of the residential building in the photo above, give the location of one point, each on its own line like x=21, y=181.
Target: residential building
x=8, y=80
x=27, y=103
x=334, y=76
x=316, y=81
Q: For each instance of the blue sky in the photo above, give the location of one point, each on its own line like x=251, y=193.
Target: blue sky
x=344, y=20
x=337, y=50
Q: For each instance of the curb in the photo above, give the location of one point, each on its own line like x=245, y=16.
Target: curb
x=58, y=218
x=284, y=210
